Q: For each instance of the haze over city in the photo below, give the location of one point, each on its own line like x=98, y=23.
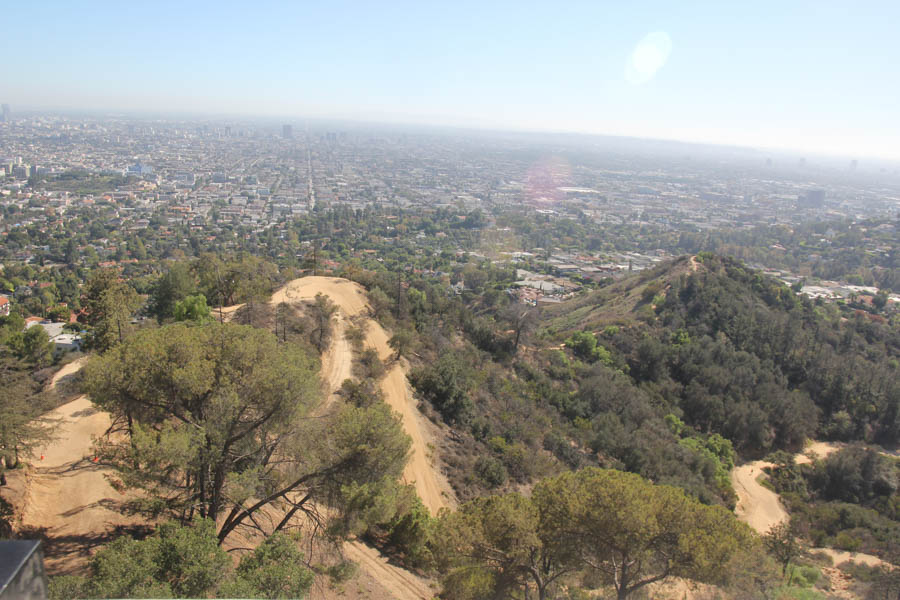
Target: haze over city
x=806, y=76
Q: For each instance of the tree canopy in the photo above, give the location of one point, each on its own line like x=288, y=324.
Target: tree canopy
x=619, y=526
x=180, y=561
x=219, y=425
x=109, y=305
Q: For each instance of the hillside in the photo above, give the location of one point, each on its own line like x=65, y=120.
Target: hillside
x=687, y=374
x=717, y=340
x=352, y=304
x=700, y=374
x=70, y=502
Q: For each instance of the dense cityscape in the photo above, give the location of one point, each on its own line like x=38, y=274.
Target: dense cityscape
x=90, y=191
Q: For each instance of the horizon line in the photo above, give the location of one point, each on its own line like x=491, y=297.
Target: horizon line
x=470, y=126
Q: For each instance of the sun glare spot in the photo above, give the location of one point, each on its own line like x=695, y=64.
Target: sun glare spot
x=648, y=57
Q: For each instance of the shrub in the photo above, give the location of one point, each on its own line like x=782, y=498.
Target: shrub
x=491, y=471
x=847, y=541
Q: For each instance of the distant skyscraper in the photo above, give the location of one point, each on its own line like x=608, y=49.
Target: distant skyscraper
x=7, y=114
x=287, y=132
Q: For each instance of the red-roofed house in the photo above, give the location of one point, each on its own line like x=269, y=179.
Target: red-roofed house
x=4, y=306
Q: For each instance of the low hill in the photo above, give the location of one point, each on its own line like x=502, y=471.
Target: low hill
x=619, y=303
x=674, y=373
x=739, y=353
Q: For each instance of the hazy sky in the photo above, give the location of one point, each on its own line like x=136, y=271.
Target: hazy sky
x=816, y=76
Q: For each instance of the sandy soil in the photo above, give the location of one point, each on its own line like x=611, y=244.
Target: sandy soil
x=226, y=313
x=69, y=500
x=351, y=300
x=757, y=506
x=399, y=583
x=349, y=296
x=817, y=450
x=820, y=450
x=432, y=488
x=841, y=556
x=760, y=507
x=337, y=362
x=694, y=264
x=69, y=369
x=336, y=367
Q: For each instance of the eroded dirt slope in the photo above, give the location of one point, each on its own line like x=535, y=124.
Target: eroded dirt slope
x=351, y=300
x=68, y=499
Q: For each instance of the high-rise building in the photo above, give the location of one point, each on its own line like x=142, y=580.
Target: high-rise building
x=287, y=132
x=6, y=113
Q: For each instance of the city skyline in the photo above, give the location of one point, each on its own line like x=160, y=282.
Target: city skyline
x=807, y=78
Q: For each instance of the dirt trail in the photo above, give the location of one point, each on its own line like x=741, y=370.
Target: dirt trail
x=760, y=507
x=349, y=296
x=336, y=367
x=757, y=506
x=401, y=584
x=71, y=500
x=432, y=489
x=68, y=496
x=337, y=362
x=419, y=470
x=69, y=369
x=819, y=450
x=351, y=299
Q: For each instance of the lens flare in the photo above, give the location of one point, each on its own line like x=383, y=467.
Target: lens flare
x=648, y=57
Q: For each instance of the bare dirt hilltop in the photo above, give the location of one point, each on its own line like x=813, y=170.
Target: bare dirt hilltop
x=337, y=361
x=350, y=299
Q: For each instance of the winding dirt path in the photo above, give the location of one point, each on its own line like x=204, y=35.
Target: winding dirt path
x=842, y=556
x=68, y=369
x=337, y=364
x=761, y=508
x=68, y=499
x=351, y=301
x=817, y=450
x=757, y=506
